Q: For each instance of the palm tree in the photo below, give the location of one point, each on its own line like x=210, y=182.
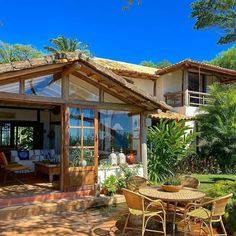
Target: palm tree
x=62, y=44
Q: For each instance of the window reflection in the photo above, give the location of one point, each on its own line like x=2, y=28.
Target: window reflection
x=118, y=130
x=48, y=86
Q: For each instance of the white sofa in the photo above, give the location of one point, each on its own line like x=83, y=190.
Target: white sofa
x=33, y=155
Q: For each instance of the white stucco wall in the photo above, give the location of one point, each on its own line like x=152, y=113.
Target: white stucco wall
x=144, y=84
x=168, y=83
x=103, y=173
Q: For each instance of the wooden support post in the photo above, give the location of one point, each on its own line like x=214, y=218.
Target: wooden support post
x=64, y=158
x=144, y=144
x=22, y=87
x=65, y=87
x=185, y=88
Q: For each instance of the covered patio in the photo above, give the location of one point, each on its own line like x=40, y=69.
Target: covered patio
x=61, y=117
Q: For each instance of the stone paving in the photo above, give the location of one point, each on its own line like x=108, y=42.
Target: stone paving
x=97, y=221
x=106, y=221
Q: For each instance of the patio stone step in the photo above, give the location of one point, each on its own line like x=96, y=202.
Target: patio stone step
x=57, y=206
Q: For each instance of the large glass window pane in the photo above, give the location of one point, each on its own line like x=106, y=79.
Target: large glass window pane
x=10, y=88
x=75, y=117
x=118, y=130
x=112, y=99
x=75, y=137
x=88, y=137
x=81, y=90
x=48, y=86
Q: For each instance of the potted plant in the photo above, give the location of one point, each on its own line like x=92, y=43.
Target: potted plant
x=121, y=183
x=172, y=184
x=110, y=185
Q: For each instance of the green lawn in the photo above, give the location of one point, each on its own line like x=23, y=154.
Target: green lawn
x=207, y=181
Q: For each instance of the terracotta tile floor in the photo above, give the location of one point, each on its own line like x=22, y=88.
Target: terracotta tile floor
x=28, y=185
x=98, y=221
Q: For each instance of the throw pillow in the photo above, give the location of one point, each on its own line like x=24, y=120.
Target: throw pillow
x=23, y=155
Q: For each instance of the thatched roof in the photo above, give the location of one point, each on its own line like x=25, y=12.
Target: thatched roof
x=128, y=69
x=196, y=65
x=134, y=94
x=170, y=116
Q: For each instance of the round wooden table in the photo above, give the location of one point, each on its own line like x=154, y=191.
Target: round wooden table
x=184, y=195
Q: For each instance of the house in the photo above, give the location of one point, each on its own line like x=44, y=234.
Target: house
x=183, y=86
x=70, y=110
x=73, y=110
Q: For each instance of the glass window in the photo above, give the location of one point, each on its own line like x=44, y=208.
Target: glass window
x=75, y=116
x=112, y=99
x=48, y=86
x=118, y=130
x=88, y=117
x=81, y=152
x=24, y=137
x=75, y=137
x=81, y=90
x=88, y=137
x=10, y=88
x=5, y=130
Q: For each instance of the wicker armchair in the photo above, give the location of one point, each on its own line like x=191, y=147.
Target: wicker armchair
x=136, y=182
x=146, y=208
x=206, y=214
x=10, y=167
x=191, y=182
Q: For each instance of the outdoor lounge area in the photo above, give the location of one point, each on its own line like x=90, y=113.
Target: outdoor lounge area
x=67, y=121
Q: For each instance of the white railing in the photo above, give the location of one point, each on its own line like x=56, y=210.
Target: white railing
x=186, y=98
x=197, y=98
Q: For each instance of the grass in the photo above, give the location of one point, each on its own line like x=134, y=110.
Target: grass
x=207, y=181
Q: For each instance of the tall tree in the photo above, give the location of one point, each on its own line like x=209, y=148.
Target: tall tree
x=159, y=65
x=216, y=13
x=226, y=59
x=17, y=52
x=217, y=124
x=62, y=44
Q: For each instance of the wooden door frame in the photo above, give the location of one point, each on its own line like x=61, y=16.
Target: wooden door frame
x=64, y=179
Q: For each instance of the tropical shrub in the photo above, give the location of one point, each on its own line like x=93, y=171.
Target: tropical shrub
x=199, y=164
x=168, y=143
x=221, y=189
x=217, y=126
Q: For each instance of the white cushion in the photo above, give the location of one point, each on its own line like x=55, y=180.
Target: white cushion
x=37, y=152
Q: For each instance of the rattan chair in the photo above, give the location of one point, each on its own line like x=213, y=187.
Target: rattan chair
x=146, y=208
x=191, y=182
x=206, y=214
x=136, y=182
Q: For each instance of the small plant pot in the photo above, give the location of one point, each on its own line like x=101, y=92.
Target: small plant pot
x=171, y=188
x=107, y=193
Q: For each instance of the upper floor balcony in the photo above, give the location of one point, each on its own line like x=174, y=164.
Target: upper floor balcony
x=186, y=98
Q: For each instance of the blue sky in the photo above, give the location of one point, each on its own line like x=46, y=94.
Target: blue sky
x=155, y=30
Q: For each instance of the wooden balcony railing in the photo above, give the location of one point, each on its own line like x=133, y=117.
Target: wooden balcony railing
x=186, y=98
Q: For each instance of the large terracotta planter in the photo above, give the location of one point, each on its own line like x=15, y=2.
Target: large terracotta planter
x=131, y=159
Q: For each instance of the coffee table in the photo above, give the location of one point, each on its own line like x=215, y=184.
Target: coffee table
x=47, y=169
